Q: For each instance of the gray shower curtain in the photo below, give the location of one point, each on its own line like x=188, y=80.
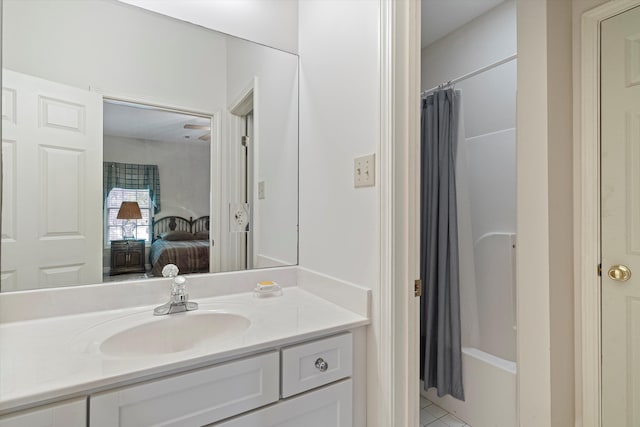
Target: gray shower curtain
x=440, y=334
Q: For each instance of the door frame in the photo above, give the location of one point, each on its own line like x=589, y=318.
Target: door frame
x=587, y=242
x=244, y=104
x=394, y=333
x=214, y=154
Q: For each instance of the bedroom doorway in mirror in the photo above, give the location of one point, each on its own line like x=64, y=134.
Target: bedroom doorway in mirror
x=158, y=185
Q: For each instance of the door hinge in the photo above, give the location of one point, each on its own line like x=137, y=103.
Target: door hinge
x=600, y=270
x=245, y=141
x=417, y=288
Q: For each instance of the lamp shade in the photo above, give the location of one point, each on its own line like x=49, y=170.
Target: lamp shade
x=129, y=210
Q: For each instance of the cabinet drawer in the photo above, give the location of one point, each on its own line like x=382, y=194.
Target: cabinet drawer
x=67, y=414
x=192, y=399
x=119, y=245
x=125, y=245
x=303, y=367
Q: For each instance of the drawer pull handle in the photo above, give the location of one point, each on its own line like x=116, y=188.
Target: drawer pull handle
x=322, y=365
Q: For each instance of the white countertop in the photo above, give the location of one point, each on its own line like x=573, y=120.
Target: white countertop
x=47, y=359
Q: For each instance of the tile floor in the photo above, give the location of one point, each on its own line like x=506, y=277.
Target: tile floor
x=434, y=416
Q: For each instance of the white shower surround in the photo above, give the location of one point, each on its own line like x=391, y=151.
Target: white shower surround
x=490, y=296
x=486, y=191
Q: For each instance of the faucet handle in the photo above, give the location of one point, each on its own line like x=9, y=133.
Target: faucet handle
x=179, y=285
x=170, y=270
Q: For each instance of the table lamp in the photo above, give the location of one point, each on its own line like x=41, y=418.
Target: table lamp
x=130, y=211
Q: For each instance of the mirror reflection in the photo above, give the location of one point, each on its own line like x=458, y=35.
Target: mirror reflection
x=156, y=191
x=131, y=140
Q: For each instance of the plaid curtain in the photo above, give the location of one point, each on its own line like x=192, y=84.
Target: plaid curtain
x=132, y=177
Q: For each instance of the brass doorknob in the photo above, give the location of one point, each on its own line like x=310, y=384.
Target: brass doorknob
x=619, y=272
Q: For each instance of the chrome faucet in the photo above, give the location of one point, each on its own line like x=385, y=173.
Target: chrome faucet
x=179, y=301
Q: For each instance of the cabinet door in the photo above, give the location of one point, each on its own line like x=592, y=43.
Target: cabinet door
x=192, y=399
x=118, y=259
x=329, y=406
x=68, y=414
x=136, y=257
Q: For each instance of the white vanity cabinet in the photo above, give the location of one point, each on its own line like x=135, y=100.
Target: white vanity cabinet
x=301, y=384
x=311, y=395
x=306, y=384
x=72, y=413
x=194, y=399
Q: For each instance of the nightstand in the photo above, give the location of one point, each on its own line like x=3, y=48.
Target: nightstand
x=127, y=256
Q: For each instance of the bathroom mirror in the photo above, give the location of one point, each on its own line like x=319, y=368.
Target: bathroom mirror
x=105, y=103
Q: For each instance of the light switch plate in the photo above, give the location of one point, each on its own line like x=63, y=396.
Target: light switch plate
x=364, y=171
x=261, y=190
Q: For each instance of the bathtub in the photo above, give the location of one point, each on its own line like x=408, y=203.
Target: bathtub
x=487, y=293
x=489, y=388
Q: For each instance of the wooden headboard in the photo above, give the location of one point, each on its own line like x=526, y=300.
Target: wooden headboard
x=178, y=223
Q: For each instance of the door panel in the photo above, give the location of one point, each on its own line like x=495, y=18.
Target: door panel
x=620, y=157
x=52, y=205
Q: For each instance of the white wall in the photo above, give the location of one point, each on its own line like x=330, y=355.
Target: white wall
x=545, y=215
x=339, y=103
x=63, y=41
x=487, y=171
x=275, y=145
x=270, y=22
x=339, y=120
x=486, y=39
x=184, y=187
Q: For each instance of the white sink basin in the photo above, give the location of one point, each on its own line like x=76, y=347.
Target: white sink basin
x=174, y=333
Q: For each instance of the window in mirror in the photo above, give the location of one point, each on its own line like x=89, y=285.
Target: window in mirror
x=113, y=225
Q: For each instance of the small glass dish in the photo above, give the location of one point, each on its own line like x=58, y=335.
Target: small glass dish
x=273, y=290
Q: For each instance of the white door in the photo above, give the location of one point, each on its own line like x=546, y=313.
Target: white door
x=52, y=184
x=620, y=91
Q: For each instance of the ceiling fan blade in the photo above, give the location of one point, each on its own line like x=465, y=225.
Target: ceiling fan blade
x=197, y=127
x=206, y=137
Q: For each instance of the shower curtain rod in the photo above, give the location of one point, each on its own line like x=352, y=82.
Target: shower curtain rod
x=471, y=74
